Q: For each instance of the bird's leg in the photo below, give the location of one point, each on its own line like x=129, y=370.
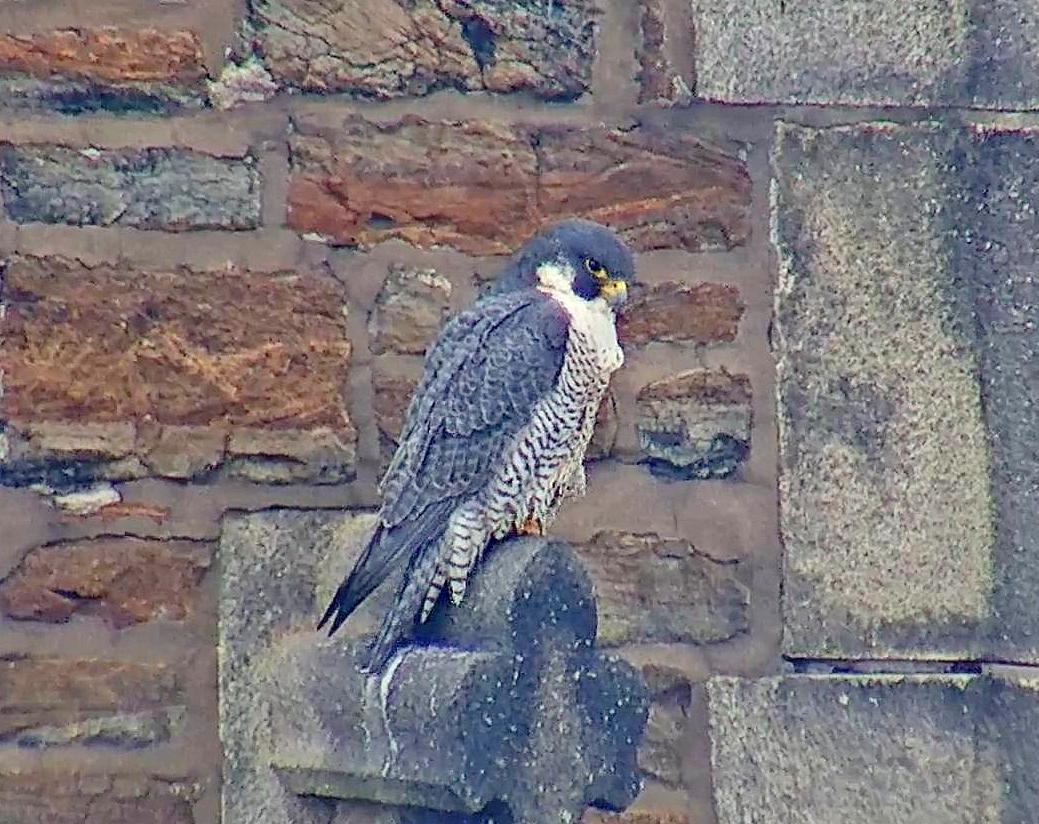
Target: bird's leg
x=532, y=526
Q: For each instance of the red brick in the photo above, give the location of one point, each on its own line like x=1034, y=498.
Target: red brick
x=47, y=691
x=484, y=187
x=107, y=53
x=123, y=580
x=696, y=312
x=107, y=344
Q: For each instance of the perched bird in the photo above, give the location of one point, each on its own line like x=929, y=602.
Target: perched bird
x=495, y=434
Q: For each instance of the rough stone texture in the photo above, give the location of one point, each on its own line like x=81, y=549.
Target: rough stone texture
x=864, y=52
x=477, y=741
x=66, y=797
x=171, y=189
x=863, y=749
x=394, y=48
x=364, y=183
x=212, y=366
x=122, y=580
x=409, y=310
x=928, y=549
x=687, y=312
x=652, y=588
x=393, y=382
x=59, y=693
x=117, y=70
x=663, y=746
x=661, y=79
x=695, y=424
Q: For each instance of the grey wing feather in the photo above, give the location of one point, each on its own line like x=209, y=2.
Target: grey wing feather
x=489, y=367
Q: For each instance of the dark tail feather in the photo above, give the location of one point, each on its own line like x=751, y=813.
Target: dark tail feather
x=406, y=607
x=366, y=575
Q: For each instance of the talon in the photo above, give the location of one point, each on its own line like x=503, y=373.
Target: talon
x=531, y=526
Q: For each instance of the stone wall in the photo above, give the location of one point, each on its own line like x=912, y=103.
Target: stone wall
x=229, y=229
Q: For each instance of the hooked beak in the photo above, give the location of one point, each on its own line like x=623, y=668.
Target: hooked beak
x=615, y=292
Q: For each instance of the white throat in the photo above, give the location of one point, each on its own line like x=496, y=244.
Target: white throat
x=592, y=319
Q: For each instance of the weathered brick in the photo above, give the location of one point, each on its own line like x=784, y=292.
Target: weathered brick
x=122, y=70
x=171, y=189
x=56, y=692
x=695, y=424
x=393, y=48
x=67, y=797
x=123, y=580
x=89, y=351
x=673, y=311
x=653, y=588
x=869, y=52
x=662, y=80
x=862, y=749
x=907, y=390
x=409, y=310
x=369, y=182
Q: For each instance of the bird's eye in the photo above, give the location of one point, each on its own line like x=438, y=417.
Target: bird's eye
x=596, y=269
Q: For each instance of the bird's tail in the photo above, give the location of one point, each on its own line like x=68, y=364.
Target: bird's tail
x=406, y=607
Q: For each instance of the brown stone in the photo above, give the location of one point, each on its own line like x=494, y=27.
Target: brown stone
x=106, y=441
x=695, y=424
x=661, y=80
x=67, y=797
x=650, y=588
x=394, y=48
x=409, y=310
x=35, y=692
x=660, y=754
x=130, y=509
x=393, y=382
x=694, y=312
x=106, y=53
x=123, y=580
x=179, y=347
x=186, y=451
x=636, y=817
x=320, y=455
x=365, y=183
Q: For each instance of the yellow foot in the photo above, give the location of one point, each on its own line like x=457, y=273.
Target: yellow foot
x=531, y=526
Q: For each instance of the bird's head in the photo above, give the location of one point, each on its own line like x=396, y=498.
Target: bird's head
x=573, y=255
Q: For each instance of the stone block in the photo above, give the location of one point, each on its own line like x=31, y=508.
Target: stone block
x=364, y=182
x=907, y=361
x=175, y=190
x=125, y=581
x=409, y=310
x=650, y=588
x=695, y=424
x=862, y=749
x=116, y=70
x=666, y=74
x=682, y=312
x=173, y=373
x=465, y=720
x=977, y=53
x=394, y=48
x=57, y=700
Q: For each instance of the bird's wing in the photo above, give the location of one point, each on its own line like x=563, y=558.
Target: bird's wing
x=488, y=368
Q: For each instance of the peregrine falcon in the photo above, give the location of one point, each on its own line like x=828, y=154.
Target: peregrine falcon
x=495, y=435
